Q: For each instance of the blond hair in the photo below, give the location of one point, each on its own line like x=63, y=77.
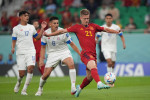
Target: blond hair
x=84, y=12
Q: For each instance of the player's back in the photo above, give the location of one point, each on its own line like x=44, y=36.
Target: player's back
x=86, y=36
x=56, y=44
x=24, y=35
x=109, y=41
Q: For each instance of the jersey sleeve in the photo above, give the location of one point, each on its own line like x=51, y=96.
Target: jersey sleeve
x=68, y=39
x=34, y=32
x=72, y=28
x=99, y=28
x=99, y=34
x=14, y=34
x=43, y=40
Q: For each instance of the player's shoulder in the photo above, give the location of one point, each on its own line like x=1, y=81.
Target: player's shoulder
x=93, y=24
x=115, y=25
x=16, y=27
x=30, y=25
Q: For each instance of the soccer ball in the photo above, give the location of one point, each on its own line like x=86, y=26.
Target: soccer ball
x=110, y=78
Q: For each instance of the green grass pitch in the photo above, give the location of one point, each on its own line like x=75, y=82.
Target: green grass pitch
x=126, y=88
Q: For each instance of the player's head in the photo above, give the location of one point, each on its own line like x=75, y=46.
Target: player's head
x=108, y=18
x=35, y=23
x=54, y=23
x=85, y=16
x=24, y=16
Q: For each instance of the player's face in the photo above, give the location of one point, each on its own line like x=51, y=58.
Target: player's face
x=54, y=25
x=85, y=19
x=36, y=24
x=108, y=19
x=25, y=17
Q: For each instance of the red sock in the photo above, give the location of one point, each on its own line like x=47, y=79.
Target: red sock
x=85, y=82
x=95, y=75
x=42, y=69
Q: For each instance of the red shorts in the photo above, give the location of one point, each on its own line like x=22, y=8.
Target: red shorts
x=87, y=56
x=37, y=57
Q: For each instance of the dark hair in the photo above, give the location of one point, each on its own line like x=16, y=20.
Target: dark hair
x=108, y=15
x=23, y=12
x=35, y=20
x=53, y=18
x=84, y=12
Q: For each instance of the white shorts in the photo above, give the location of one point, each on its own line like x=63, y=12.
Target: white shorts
x=25, y=60
x=54, y=59
x=110, y=55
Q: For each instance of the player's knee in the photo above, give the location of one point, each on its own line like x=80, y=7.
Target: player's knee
x=30, y=69
x=21, y=75
x=110, y=64
x=71, y=66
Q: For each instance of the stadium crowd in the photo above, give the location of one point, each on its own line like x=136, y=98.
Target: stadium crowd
x=68, y=12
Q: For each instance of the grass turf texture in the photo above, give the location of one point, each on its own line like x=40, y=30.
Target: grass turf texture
x=126, y=88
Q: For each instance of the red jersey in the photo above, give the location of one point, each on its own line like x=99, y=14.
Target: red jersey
x=37, y=44
x=86, y=36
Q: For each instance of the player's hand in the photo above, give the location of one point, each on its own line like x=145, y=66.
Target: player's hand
x=124, y=46
x=96, y=40
x=12, y=50
x=41, y=63
x=43, y=24
x=45, y=34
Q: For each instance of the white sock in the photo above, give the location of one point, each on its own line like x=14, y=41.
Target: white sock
x=109, y=69
x=72, y=74
x=27, y=82
x=42, y=82
x=99, y=82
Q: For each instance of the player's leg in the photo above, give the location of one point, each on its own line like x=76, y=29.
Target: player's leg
x=91, y=65
x=84, y=83
x=46, y=74
x=72, y=73
x=37, y=62
x=21, y=68
x=108, y=58
x=30, y=62
x=113, y=60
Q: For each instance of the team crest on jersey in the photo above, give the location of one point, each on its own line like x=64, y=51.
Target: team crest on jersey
x=81, y=29
x=91, y=28
x=48, y=37
x=21, y=30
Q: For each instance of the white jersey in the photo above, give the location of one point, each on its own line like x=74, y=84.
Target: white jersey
x=24, y=36
x=109, y=41
x=56, y=44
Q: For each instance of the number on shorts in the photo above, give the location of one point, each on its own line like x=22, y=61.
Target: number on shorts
x=53, y=43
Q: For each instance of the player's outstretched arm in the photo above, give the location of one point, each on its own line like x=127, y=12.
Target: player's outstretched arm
x=56, y=33
x=75, y=48
x=123, y=40
x=42, y=55
x=43, y=25
x=13, y=46
x=111, y=31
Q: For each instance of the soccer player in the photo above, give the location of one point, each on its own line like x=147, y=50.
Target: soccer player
x=86, y=34
x=37, y=44
x=109, y=43
x=57, y=51
x=25, y=51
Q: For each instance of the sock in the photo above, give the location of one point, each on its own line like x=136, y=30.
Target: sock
x=85, y=82
x=27, y=82
x=42, y=82
x=42, y=69
x=95, y=75
x=72, y=74
x=109, y=69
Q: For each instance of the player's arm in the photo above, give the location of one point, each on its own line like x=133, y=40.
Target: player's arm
x=13, y=46
x=62, y=31
x=75, y=48
x=42, y=55
x=43, y=25
x=110, y=31
x=97, y=37
x=122, y=39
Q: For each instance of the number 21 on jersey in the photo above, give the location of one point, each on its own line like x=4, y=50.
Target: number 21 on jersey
x=88, y=33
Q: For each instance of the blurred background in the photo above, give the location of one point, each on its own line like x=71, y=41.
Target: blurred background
x=132, y=16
